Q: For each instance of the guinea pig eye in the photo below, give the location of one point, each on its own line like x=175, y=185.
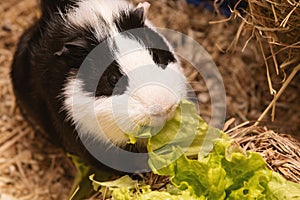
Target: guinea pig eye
x=113, y=80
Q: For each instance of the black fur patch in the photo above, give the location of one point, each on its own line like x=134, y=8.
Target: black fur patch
x=101, y=74
x=130, y=20
x=106, y=88
x=60, y=48
x=51, y=6
x=46, y=55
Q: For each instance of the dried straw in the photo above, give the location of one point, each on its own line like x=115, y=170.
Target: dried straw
x=281, y=151
x=275, y=24
x=32, y=168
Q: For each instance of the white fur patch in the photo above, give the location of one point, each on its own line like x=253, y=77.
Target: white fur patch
x=137, y=63
x=88, y=11
x=92, y=117
x=108, y=119
x=131, y=54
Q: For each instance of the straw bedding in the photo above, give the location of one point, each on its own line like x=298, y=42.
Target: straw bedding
x=32, y=168
x=281, y=151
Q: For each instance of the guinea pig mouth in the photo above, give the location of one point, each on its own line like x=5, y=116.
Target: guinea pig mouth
x=151, y=121
x=156, y=117
x=157, y=120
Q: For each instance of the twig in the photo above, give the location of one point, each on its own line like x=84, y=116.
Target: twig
x=228, y=123
x=286, y=19
x=238, y=127
x=286, y=83
x=233, y=44
x=272, y=91
x=274, y=58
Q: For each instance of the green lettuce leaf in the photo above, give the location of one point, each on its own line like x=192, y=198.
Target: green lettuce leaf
x=185, y=130
x=125, y=188
x=225, y=173
x=180, y=151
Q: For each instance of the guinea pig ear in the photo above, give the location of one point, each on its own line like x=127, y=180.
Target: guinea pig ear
x=142, y=10
x=133, y=19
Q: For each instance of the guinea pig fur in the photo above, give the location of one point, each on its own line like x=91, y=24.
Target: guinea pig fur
x=48, y=59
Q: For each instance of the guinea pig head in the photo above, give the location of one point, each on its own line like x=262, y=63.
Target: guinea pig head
x=131, y=79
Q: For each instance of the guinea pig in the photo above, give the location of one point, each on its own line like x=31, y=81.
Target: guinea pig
x=63, y=101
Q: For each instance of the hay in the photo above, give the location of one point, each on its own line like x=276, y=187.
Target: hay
x=32, y=168
x=281, y=151
x=275, y=25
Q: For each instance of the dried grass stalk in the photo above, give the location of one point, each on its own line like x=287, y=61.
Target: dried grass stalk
x=276, y=26
x=277, y=23
x=281, y=151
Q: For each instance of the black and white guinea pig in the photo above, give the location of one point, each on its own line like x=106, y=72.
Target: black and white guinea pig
x=50, y=92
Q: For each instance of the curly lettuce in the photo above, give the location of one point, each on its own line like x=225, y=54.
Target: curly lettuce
x=225, y=173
